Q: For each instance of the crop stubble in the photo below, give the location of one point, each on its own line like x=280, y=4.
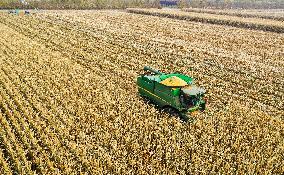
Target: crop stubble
x=235, y=21
x=275, y=14
x=68, y=80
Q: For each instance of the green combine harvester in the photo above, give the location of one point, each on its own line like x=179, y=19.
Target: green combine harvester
x=175, y=93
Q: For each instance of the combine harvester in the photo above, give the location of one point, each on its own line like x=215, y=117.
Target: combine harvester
x=175, y=93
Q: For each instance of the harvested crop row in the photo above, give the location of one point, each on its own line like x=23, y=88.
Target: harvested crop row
x=248, y=43
x=238, y=13
x=250, y=23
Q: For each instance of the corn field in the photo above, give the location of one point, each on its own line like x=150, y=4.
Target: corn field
x=76, y=4
x=69, y=102
x=275, y=14
x=235, y=21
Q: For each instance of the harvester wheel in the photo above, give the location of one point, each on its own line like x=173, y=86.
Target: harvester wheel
x=186, y=118
x=171, y=111
x=202, y=107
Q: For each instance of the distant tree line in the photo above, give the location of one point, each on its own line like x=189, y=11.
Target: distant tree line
x=121, y=4
x=245, y=4
x=78, y=4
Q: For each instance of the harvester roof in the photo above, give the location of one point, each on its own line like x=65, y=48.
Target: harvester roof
x=193, y=90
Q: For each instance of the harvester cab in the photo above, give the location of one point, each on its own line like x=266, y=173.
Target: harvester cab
x=174, y=92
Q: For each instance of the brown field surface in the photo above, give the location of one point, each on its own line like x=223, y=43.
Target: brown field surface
x=232, y=20
x=69, y=103
x=275, y=14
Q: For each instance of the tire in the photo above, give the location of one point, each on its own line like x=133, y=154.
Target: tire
x=183, y=117
x=202, y=107
x=171, y=111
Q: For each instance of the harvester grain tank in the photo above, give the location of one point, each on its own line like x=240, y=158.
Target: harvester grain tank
x=174, y=92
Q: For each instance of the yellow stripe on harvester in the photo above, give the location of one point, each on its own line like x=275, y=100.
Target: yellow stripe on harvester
x=153, y=95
